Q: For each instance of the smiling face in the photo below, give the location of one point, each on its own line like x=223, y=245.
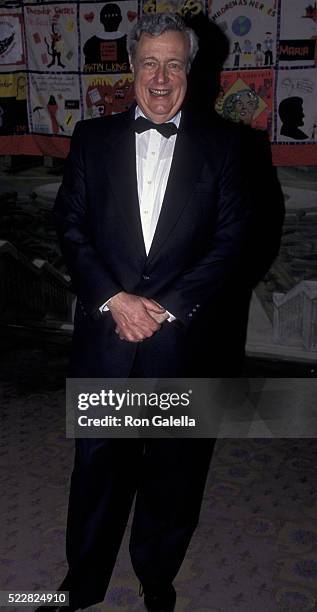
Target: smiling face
x=159, y=69
x=245, y=106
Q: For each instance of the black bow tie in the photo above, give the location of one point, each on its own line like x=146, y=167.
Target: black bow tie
x=141, y=124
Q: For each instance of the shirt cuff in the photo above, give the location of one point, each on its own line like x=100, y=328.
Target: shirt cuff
x=104, y=307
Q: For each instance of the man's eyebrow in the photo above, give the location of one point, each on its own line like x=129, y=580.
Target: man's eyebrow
x=170, y=59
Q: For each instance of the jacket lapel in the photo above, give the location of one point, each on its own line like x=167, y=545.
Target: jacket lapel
x=187, y=161
x=121, y=168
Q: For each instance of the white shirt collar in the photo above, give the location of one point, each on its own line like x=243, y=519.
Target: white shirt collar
x=176, y=119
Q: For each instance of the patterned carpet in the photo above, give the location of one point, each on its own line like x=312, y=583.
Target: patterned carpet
x=256, y=546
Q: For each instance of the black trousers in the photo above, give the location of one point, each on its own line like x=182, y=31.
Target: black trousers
x=168, y=477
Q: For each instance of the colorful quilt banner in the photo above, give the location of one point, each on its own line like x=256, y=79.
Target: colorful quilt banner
x=61, y=62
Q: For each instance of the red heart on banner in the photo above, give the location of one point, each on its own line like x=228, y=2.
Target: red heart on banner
x=132, y=15
x=89, y=16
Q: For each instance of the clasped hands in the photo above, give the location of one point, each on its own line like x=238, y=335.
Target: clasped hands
x=136, y=317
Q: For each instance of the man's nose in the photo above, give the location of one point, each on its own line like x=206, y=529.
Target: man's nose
x=161, y=74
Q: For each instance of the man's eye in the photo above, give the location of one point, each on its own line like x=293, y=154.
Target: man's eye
x=174, y=66
x=149, y=64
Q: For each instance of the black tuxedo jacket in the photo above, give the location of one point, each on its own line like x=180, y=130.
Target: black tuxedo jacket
x=196, y=254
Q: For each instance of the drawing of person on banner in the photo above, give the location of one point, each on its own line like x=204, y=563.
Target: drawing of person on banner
x=219, y=101
x=241, y=106
x=55, y=47
x=236, y=52
x=268, y=49
x=258, y=55
x=292, y=116
x=247, y=53
x=106, y=51
x=52, y=108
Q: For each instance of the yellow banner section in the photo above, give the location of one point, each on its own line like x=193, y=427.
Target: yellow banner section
x=13, y=86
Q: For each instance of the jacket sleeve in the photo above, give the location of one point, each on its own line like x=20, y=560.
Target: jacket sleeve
x=92, y=281
x=204, y=280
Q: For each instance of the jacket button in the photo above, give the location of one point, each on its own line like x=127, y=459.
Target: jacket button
x=145, y=277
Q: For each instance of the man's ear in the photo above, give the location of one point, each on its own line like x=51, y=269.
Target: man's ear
x=131, y=65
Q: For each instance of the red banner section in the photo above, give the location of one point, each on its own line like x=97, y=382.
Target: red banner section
x=52, y=146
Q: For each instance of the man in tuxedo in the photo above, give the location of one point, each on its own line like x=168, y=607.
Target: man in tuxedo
x=153, y=216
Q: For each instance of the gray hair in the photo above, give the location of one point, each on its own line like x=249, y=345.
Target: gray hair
x=156, y=24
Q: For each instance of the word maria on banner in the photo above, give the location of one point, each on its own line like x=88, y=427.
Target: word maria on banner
x=298, y=34
x=297, y=50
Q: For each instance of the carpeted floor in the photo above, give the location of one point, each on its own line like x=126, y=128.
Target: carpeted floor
x=256, y=546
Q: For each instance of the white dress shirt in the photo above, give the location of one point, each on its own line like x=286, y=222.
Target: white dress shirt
x=154, y=154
